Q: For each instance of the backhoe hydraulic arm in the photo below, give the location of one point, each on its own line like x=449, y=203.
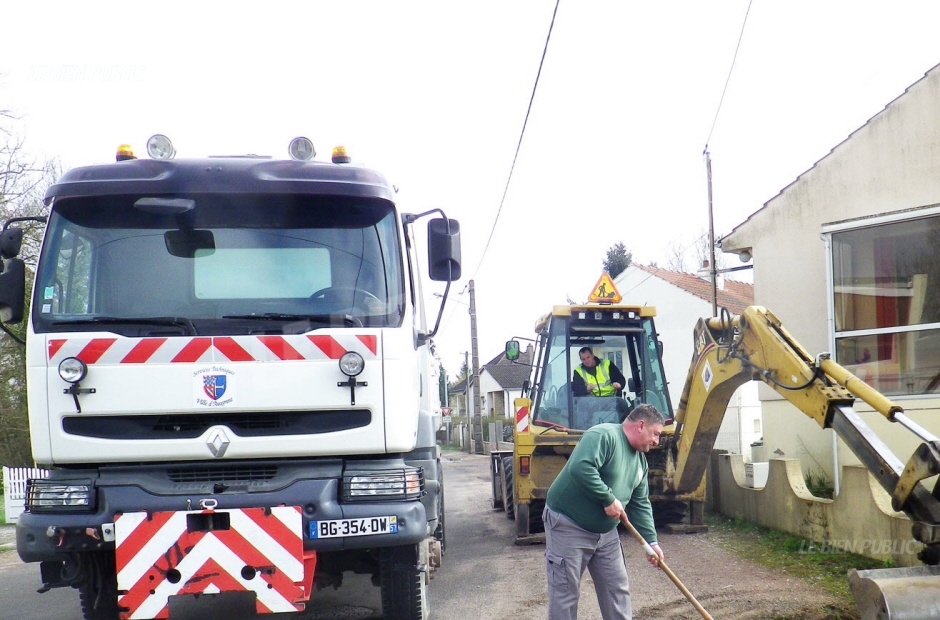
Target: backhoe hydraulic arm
x=755, y=346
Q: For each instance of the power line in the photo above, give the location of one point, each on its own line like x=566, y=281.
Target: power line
x=519, y=144
x=730, y=70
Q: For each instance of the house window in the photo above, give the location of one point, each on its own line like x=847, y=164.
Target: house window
x=886, y=304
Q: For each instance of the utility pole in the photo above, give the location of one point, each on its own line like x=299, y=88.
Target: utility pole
x=477, y=418
x=712, y=268
x=466, y=401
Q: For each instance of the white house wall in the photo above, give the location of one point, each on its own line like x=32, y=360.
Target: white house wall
x=888, y=165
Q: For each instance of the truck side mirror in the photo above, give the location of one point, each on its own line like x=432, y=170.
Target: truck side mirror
x=12, y=288
x=512, y=350
x=11, y=239
x=444, y=250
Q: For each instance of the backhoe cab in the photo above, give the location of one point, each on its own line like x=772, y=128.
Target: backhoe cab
x=551, y=418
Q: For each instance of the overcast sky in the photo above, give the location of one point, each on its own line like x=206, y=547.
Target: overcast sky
x=434, y=94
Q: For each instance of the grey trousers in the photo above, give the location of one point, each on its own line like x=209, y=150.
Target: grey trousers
x=569, y=549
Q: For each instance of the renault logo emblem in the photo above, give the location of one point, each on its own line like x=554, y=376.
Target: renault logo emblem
x=218, y=442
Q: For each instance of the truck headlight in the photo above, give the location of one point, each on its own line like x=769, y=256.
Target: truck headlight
x=59, y=495
x=72, y=369
x=351, y=364
x=367, y=486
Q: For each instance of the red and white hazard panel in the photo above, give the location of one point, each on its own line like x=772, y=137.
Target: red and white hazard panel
x=172, y=553
x=106, y=351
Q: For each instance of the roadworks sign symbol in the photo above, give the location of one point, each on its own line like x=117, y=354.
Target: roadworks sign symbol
x=605, y=291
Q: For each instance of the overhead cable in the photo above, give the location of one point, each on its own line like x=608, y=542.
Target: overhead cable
x=519, y=144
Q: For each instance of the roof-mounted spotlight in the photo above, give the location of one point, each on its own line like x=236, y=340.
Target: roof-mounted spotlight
x=301, y=149
x=160, y=147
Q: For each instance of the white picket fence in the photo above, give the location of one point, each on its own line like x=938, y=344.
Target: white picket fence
x=14, y=489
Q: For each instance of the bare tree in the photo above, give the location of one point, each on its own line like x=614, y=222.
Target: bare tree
x=22, y=185
x=675, y=259
x=703, y=253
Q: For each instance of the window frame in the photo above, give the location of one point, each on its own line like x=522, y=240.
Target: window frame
x=858, y=224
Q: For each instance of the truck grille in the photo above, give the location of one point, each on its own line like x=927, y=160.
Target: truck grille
x=188, y=426
x=222, y=474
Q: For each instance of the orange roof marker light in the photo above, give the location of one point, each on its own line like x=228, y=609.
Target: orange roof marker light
x=340, y=156
x=124, y=152
x=604, y=291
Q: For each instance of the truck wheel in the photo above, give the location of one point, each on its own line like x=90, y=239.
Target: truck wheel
x=522, y=520
x=403, y=584
x=668, y=511
x=496, y=483
x=98, y=590
x=508, y=489
x=441, y=533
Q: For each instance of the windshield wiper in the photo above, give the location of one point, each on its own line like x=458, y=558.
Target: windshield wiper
x=316, y=318
x=148, y=320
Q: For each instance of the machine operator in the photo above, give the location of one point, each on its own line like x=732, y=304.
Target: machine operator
x=596, y=377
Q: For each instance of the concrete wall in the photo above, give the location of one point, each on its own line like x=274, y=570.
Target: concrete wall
x=888, y=165
x=860, y=519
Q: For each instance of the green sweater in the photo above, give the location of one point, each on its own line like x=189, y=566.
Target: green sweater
x=603, y=467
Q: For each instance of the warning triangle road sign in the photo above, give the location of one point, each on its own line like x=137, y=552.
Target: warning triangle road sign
x=605, y=291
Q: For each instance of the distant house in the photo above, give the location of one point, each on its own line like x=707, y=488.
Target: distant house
x=501, y=383
x=457, y=397
x=680, y=300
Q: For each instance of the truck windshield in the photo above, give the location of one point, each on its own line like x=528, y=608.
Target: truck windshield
x=220, y=264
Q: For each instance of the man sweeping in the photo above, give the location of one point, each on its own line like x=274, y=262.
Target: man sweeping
x=605, y=476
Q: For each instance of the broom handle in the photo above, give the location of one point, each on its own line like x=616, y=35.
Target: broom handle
x=649, y=551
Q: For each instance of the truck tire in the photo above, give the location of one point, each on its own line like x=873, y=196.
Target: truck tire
x=508, y=488
x=441, y=532
x=496, y=484
x=403, y=584
x=668, y=511
x=98, y=590
x=522, y=520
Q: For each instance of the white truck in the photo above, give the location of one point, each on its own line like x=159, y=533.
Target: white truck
x=229, y=375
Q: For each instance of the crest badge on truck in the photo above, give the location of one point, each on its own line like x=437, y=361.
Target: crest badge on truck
x=214, y=386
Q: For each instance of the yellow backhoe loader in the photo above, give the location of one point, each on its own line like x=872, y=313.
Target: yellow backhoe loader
x=728, y=352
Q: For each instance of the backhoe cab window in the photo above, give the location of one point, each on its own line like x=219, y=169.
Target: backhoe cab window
x=634, y=353
x=233, y=264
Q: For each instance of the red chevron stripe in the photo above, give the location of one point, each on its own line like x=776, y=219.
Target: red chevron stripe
x=143, y=350
x=193, y=350
x=276, y=528
x=131, y=546
x=54, y=346
x=211, y=572
x=369, y=341
x=328, y=345
x=280, y=348
x=232, y=350
x=253, y=556
x=95, y=349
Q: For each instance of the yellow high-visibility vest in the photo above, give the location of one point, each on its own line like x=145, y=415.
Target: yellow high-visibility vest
x=601, y=379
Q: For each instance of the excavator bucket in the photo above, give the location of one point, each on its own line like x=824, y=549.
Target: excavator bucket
x=897, y=593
